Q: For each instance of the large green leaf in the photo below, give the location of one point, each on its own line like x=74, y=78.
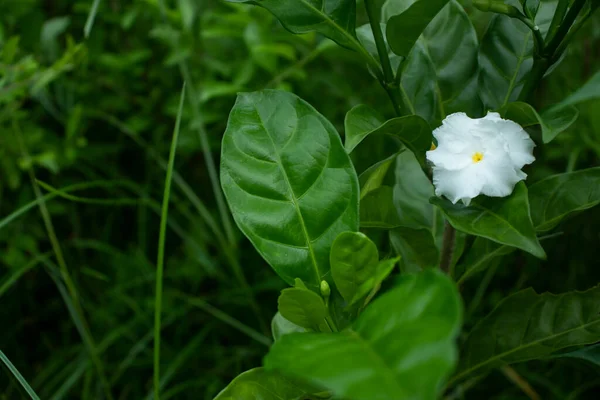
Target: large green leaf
x=450, y=43
x=506, y=56
x=555, y=197
x=528, y=326
x=404, y=29
x=302, y=307
x=354, y=259
x=418, y=84
x=413, y=131
x=506, y=59
x=401, y=347
x=290, y=185
x=552, y=122
x=505, y=220
x=258, y=384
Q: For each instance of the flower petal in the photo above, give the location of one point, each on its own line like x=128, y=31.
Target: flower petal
x=463, y=184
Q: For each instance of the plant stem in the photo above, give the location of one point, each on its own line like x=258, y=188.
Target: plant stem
x=161, y=248
x=540, y=65
x=564, y=27
x=514, y=377
x=388, y=81
x=447, y=247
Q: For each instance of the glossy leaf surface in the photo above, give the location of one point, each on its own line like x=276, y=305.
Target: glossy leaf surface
x=528, y=326
x=302, y=307
x=290, y=185
x=554, y=198
x=281, y=326
x=404, y=29
x=258, y=384
x=382, y=271
x=504, y=220
x=354, y=259
x=405, y=354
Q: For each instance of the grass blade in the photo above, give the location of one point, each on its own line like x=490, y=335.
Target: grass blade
x=161, y=248
x=90, y=20
x=18, y=376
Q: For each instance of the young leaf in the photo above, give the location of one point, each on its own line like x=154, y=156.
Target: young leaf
x=481, y=253
x=404, y=29
x=554, y=198
x=450, y=43
x=384, y=268
x=413, y=131
x=377, y=209
x=281, y=326
x=528, y=326
x=504, y=220
x=258, y=384
x=374, y=176
x=290, y=185
x=404, y=354
x=302, y=307
x=552, y=122
x=354, y=259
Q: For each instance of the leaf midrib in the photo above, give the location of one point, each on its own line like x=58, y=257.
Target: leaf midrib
x=294, y=201
x=516, y=349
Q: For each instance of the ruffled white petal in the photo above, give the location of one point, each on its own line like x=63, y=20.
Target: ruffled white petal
x=479, y=156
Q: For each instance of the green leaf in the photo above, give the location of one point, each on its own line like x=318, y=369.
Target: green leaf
x=480, y=255
x=413, y=131
x=554, y=198
x=354, y=259
x=404, y=29
x=377, y=209
x=383, y=270
x=505, y=220
x=290, y=185
x=528, y=326
x=589, y=91
x=258, y=384
x=590, y=354
x=450, y=43
x=302, y=307
x=506, y=58
x=374, y=176
x=281, y=326
x=551, y=121
x=418, y=84
x=404, y=354
x=417, y=247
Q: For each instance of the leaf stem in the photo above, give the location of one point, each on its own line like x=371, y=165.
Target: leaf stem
x=447, y=247
x=161, y=248
x=388, y=81
x=518, y=380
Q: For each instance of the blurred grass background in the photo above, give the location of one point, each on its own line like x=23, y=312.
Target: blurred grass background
x=88, y=99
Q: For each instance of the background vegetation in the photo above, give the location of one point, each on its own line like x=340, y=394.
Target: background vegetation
x=88, y=100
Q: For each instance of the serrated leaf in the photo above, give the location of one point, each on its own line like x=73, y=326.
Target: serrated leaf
x=404, y=29
x=552, y=122
x=289, y=183
x=281, y=326
x=554, y=198
x=354, y=258
x=528, y=326
x=505, y=220
x=413, y=131
x=302, y=307
x=258, y=384
x=406, y=354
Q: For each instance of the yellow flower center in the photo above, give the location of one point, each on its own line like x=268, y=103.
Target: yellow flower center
x=477, y=157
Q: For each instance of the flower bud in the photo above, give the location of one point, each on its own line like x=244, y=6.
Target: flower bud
x=497, y=7
x=325, y=289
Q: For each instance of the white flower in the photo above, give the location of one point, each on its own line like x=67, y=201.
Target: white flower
x=479, y=156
